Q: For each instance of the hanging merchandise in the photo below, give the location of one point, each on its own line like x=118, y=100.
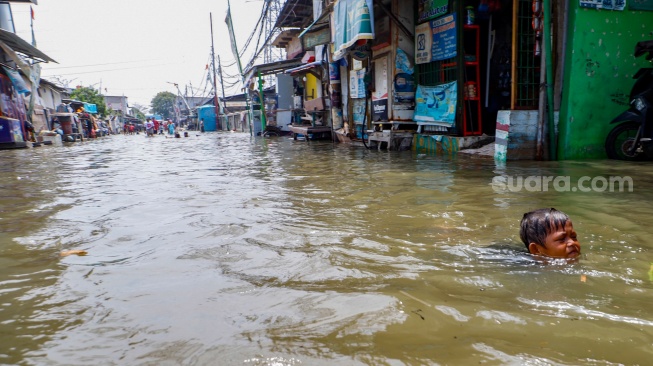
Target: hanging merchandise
x=470, y=16
x=17, y=81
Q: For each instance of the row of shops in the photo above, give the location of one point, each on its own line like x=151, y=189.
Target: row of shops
x=437, y=76
x=32, y=108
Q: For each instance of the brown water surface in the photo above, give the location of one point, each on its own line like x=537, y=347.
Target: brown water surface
x=221, y=249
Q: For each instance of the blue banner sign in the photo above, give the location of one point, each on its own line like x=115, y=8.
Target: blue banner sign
x=436, y=40
x=437, y=104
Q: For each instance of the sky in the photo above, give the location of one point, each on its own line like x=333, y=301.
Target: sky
x=138, y=48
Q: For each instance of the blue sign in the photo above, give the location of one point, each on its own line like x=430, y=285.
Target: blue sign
x=437, y=104
x=444, y=44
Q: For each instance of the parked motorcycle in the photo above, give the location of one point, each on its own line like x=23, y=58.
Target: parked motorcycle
x=632, y=138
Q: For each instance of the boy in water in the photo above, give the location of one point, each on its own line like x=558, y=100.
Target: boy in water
x=550, y=233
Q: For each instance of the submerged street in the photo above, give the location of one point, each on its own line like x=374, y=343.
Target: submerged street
x=224, y=249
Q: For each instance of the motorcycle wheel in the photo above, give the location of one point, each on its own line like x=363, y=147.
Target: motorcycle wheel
x=620, y=140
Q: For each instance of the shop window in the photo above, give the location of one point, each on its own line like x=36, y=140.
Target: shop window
x=529, y=22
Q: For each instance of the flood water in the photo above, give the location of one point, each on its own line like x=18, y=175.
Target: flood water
x=220, y=249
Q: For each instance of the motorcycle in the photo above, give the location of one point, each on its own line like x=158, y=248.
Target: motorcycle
x=632, y=138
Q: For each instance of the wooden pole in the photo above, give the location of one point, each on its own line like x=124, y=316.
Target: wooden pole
x=215, y=83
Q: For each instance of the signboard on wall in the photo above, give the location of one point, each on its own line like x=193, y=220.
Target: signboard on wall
x=316, y=38
x=604, y=4
x=437, y=104
x=380, y=94
x=357, y=84
x=436, y=40
x=430, y=9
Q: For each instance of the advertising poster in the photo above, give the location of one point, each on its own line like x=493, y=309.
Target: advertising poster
x=437, y=104
x=444, y=38
x=334, y=73
x=380, y=94
x=436, y=40
x=423, y=42
x=380, y=110
x=404, y=95
x=404, y=82
x=358, y=111
x=357, y=84
x=17, y=130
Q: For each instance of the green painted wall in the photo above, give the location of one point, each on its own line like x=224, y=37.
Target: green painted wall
x=599, y=67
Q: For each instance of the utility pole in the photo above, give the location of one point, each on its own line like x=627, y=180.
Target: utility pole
x=215, y=83
x=222, y=84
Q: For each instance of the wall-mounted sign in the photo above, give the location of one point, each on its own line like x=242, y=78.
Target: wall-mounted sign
x=380, y=110
x=357, y=84
x=606, y=4
x=312, y=39
x=429, y=9
x=436, y=40
x=360, y=52
x=334, y=73
x=380, y=94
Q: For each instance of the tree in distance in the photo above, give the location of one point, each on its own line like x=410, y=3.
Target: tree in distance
x=163, y=103
x=92, y=96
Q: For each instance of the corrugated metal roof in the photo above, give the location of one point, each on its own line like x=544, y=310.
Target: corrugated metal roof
x=295, y=14
x=20, y=45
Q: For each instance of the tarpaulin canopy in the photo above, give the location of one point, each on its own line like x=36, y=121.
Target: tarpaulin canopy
x=20, y=45
x=90, y=108
x=353, y=20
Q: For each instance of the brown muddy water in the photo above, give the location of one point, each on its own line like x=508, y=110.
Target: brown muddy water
x=219, y=249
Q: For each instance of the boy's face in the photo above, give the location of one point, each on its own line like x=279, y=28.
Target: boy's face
x=559, y=243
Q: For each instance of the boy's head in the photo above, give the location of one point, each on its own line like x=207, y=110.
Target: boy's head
x=549, y=232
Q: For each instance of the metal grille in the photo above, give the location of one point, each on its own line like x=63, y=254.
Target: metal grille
x=528, y=27
x=437, y=72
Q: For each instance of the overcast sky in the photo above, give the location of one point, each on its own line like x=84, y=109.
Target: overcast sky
x=136, y=47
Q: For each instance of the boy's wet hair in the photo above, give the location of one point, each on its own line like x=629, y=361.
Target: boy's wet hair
x=536, y=225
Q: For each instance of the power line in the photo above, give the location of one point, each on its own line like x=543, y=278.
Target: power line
x=104, y=64
x=109, y=70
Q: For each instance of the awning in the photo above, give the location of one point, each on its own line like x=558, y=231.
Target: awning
x=272, y=68
x=20, y=45
x=306, y=67
x=353, y=20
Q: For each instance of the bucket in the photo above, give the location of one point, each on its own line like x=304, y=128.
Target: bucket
x=67, y=127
